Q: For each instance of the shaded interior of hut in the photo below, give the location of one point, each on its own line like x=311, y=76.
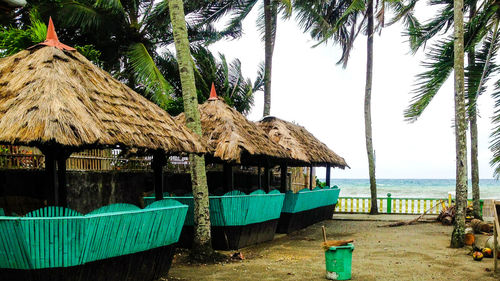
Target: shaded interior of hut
x=100, y=177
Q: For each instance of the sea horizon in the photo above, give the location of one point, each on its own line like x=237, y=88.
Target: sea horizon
x=416, y=188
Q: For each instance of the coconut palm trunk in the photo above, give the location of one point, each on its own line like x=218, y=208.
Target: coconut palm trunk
x=270, y=23
x=474, y=157
x=368, y=114
x=458, y=235
x=472, y=97
x=202, y=247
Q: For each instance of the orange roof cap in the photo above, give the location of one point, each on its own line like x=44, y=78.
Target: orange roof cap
x=52, y=40
x=213, y=94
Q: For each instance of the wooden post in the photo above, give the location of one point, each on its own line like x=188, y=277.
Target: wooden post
x=495, y=236
x=284, y=173
x=51, y=178
x=328, y=168
x=259, y=177
x=228, y=183
x=61, y=177
x=311, y=177
x=267, y=186
x=157, y=164
x=495, y=246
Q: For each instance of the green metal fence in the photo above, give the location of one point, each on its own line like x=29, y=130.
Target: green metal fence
x=59, y=237
x=307, y=199
x=394, y=205
x=235, y=208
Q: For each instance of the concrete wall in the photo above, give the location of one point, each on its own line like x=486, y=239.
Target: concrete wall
x=88, y=190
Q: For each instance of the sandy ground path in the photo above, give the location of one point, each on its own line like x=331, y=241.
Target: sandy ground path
x=416, y=252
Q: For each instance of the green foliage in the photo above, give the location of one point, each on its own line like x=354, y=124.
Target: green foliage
x=147, y=74
x=439, y=64
x=13, y=40
x=227, y=77
x=320, y=183
x=90, y=53
x=130, y=35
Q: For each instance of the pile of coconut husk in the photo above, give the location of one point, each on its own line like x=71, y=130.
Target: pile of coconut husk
x=480, y=227
x=447, y=215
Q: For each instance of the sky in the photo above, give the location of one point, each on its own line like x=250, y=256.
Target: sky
x=309, y=88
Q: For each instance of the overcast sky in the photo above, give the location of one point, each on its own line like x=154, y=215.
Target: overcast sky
x=311, y=90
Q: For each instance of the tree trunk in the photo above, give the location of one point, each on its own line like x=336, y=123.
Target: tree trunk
x=270, y=23
x=474, y=159
x=458, y=235
x=202, y=248
x=474, y=164
x=473, y=121
x=368, y=113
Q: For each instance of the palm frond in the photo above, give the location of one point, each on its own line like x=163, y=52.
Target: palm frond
x=148, y=74
x=258, y=84
x=109, y=4
x=239, y=13
x=439, y=63
x=37, y=28
x=286, y=7
x=78, y=14
x=495, y=135
x=478, y=74
x=440, y=23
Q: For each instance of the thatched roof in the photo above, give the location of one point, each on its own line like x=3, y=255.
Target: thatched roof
x=50, y=94
x=233, y=138
x=300, y=143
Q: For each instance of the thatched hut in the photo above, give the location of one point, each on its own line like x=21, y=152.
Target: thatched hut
x=301, y=144
x=307, y=206
x=233, y=139
x=53, y=98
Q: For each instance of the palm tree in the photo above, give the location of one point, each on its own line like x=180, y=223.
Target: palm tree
x=129, y=33
x=458, y=235
x=13, y=40
x=481, y=44
x=342, y=21
x=227, y=77
x=202, y=248
x=267, y=24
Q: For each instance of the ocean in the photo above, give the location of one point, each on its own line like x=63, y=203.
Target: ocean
x=417, y=188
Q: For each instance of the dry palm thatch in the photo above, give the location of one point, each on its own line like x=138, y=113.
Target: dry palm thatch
x=300, y=143
x=233, y=138
x=52, y=95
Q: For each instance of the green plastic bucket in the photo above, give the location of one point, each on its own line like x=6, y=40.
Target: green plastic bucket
x=338, y=262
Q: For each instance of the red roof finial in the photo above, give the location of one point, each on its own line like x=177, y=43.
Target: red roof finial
x=51, y=32
x=213, y=94
x=52, y=40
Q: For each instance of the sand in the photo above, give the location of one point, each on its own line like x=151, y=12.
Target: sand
x=416, y=252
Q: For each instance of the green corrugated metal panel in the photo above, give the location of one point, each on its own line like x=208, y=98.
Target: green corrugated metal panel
x=236, y=208
x=307, y=199
x=58, y=237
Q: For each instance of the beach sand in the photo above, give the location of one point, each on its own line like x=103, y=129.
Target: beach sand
x=416, y=252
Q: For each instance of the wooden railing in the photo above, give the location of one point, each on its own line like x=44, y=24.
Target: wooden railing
x=393, y=205
x=21, y=157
